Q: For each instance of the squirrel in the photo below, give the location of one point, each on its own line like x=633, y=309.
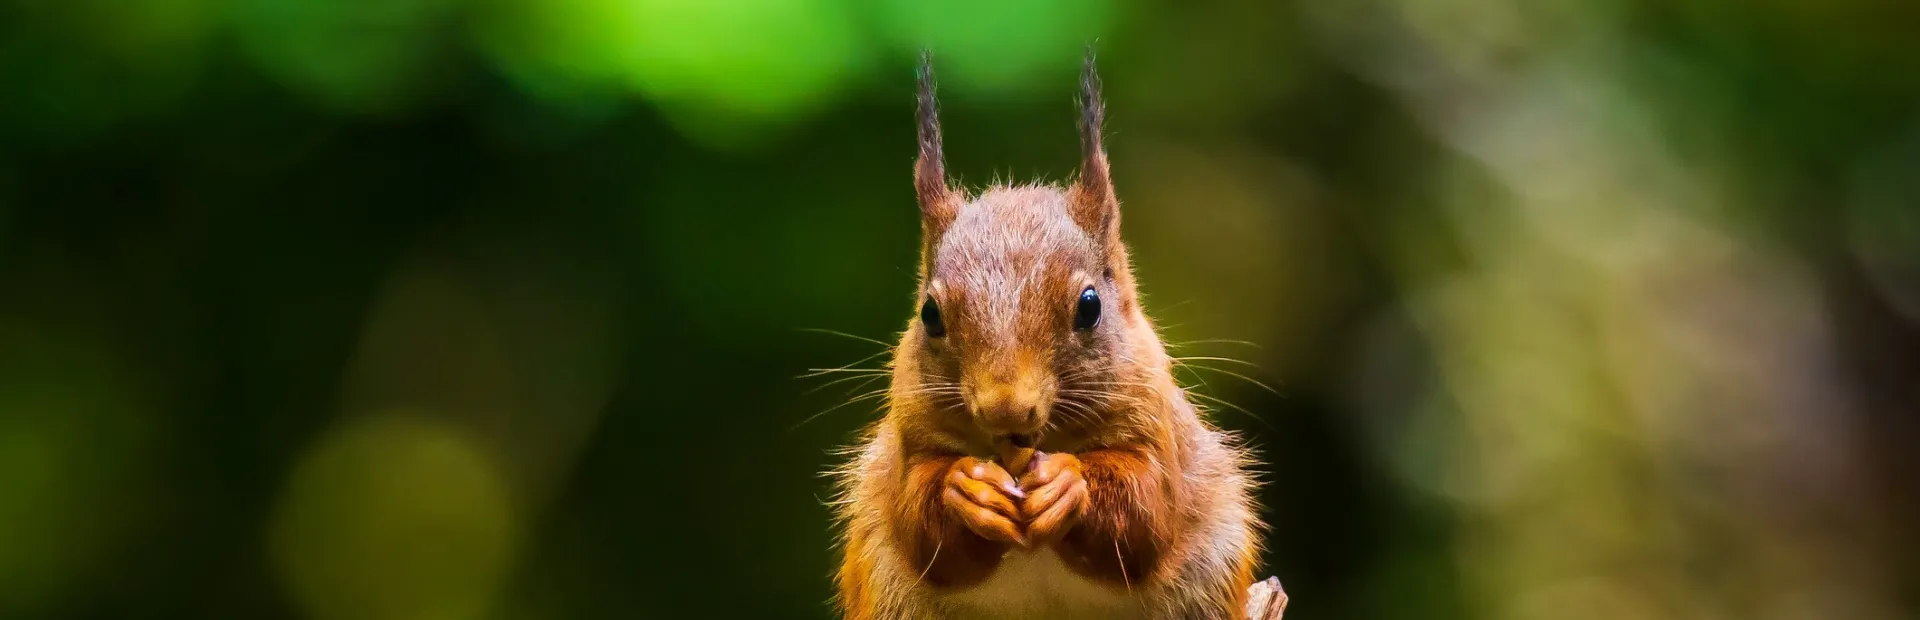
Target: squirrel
x=1037, y=459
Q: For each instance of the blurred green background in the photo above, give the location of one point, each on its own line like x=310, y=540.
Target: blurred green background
x=474, y=309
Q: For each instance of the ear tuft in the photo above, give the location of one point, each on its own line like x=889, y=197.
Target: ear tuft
x=937, y=203
x=1094, y=205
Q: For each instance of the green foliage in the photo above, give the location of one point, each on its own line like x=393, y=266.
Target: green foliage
x=466, y=309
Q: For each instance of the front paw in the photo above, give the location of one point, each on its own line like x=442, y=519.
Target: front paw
x=982, y=495
x=1056, y=496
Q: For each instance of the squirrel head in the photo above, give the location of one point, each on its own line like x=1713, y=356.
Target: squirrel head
x=1027, y=301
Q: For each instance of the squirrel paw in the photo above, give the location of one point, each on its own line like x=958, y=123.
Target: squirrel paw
x=1056, y=496
x=982, y=495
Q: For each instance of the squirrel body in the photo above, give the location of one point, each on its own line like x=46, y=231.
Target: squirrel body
x=1031, y=334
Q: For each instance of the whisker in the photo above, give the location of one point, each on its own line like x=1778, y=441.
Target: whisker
x=1242, y=377
x=1196, y=376
x=1207, y=358
x=815, y=372
x=852, y=365
x=1229, y=405
x=1191, y=392
x=1184, y=343
x=868, y=379
x=846, y=335
x=1104, y=395
x=1075, y=412
x=821, y=413
x=883, y=394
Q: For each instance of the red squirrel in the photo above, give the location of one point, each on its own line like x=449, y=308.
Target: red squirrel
x=1037, y=459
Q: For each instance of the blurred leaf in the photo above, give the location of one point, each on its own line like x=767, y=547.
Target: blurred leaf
x=997, y=45
x=721, y=68
x=70, y=445
x=350, y=55
x=394, y=518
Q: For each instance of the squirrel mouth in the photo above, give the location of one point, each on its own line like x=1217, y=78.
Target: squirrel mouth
x=1019, y=440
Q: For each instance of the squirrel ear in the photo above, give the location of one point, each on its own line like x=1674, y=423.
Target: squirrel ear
x=1094, y=205
x=938, y=205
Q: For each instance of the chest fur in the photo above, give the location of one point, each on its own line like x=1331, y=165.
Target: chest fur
x=1037, y=584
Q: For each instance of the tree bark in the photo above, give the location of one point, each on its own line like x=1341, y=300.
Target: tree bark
x=1266, y=600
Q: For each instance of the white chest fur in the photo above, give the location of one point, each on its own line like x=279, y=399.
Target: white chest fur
x=1036, y=584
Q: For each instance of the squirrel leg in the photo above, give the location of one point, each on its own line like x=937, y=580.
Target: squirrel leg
x=1126, y=525
x=954, y=519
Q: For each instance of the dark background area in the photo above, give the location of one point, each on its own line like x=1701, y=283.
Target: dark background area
x=499, y=309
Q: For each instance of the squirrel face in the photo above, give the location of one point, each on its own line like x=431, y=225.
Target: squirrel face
x=1026, y=299
x=1014, y=309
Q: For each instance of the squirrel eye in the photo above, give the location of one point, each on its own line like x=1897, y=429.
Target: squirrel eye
x=930, y=317
x=1088, y=312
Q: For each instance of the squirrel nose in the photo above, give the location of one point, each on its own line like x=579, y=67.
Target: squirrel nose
x=1004, y=410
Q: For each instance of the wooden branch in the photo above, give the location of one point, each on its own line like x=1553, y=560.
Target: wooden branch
x=1266, y=600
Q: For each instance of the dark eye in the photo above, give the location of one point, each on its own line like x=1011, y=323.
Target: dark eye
x=930, y=317
x=1087, y=313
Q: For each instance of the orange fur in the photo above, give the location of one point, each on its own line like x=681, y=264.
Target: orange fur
x=1134, y=505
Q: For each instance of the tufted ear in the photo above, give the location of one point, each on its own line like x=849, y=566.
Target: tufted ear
x=938, y=204
x=1094, y=205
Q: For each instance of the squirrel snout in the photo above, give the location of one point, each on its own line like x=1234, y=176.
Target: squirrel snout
x=1005, y=410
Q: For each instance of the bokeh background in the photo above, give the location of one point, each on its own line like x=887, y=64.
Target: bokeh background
x=476, y=309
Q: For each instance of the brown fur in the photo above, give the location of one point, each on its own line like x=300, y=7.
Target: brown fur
x=1132, y=489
